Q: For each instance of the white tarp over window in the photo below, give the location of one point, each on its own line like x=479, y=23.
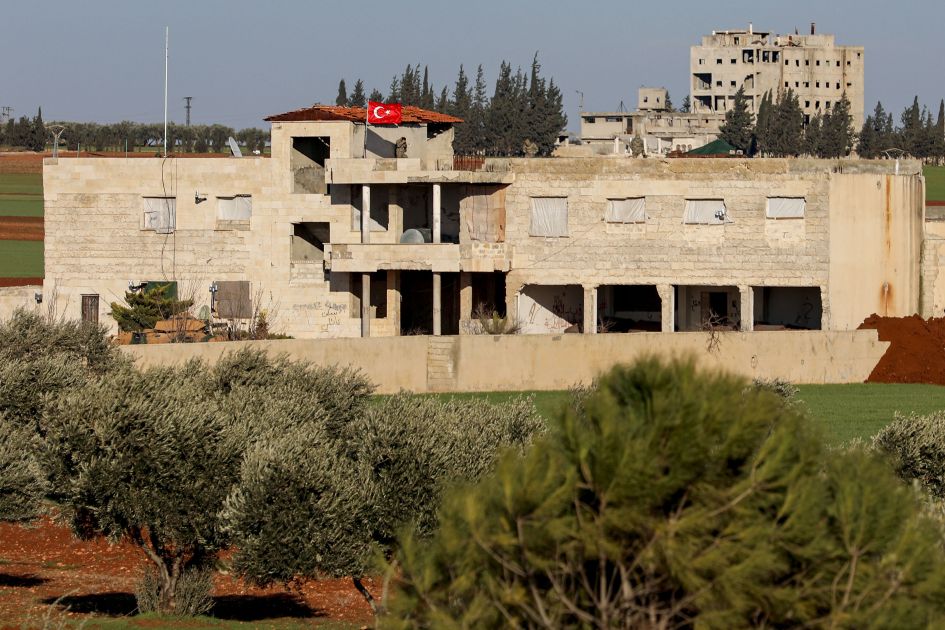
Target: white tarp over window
x=160, y=214
x=705, y=211
x=549, y=216
x=785, y=208
x=239, y=208
x=626, y=210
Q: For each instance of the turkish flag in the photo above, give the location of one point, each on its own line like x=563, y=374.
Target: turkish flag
x=384, y=114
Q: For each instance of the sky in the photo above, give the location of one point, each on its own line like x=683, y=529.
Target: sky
x=241, y=60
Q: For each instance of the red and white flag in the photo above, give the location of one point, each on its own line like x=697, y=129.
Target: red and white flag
x=384, y=113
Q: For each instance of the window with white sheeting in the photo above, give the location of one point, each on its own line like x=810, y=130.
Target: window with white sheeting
x=549, y=216
x=237, y=208
x=160, y=214
x=705, y=211
x=785, y=208
x=631, y=210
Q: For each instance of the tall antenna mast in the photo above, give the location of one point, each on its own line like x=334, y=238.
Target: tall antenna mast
x=166, y=41
x=187, y=107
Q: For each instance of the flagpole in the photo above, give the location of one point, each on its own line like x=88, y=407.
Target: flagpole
x=367, y=118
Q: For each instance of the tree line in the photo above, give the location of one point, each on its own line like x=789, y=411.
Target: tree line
x=780, y=129
x=33, y=134
x=523, y=108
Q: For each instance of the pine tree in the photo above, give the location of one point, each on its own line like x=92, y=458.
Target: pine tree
x=762, y=134
x=478, y=113
x=427, y=98
x=357, y=96
x=37, y=133
x=342, y=99
x=376, y=96
x=911, y=132
x=737, y=128
x=938, y=136
x=787, y=126
x=868, y=144
x=686, y=105
x=673, y=498
x=669, y=103
x=837, y=135
x=461, y=107
x=393, y=92
x=146, y=307
x=442, y=101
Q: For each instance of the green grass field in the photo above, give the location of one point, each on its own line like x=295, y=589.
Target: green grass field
x=21, y=195
x=21, y=259
x=934, y=183
x=842, y=412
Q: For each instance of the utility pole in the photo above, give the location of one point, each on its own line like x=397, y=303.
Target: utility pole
x=56, y=131
x=6, y=113
x=187, y=107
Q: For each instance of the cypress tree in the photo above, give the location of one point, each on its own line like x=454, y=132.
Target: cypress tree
x=37, y=133
x=911, y=132
x=868, y=145
x=357, y=96
x=938, y=138
x=762, y=134
x=737, y=128
x=787, y=126
x=443, y=100
x=480, y=139
x=342, y=99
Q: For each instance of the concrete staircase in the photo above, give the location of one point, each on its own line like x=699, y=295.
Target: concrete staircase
x=441, y=370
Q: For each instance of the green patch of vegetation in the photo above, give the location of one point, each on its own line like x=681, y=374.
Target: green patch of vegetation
x=21, y=184
x=934, y=183
x=21, y=259
x=20, y=206
x=843, y=412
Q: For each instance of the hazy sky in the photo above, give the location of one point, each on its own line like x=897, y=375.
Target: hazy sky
x=242, y=60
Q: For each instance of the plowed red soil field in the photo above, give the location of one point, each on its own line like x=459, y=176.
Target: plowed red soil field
x=42, y=563
x=21, y=228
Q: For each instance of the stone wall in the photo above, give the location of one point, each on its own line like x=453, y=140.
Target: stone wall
x=556, y=362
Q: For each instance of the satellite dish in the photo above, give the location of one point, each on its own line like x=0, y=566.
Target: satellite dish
x=412, y=236
x=234, y=148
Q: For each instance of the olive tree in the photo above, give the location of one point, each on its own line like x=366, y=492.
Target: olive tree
x=671, y=497
x=150, y=456
x=21, y=479
x=343, y=495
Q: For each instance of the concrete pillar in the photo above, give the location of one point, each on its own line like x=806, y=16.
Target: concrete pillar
x=437, y=304
x=365, y=305
x=365, y=214
x=393, y=300
x=437, y=213
x=667, y=307
x=465, y=300
x=590, y=310
x=395, y=214
x=747, y=311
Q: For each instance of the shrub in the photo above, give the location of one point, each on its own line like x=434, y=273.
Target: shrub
x=21, y=479
x=192, y=593
x=673, y=498
x=150, y=455
x=343, y=496
x=147, y=306
x=916, y=447
x=780, y=387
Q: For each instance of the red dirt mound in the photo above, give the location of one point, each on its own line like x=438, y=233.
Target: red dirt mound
x=916, y=352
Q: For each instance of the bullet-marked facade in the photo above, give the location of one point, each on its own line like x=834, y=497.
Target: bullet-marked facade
x=350, y=231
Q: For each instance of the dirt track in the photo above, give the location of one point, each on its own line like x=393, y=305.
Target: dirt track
x=21, y=228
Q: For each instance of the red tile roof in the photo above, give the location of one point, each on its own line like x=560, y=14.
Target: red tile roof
x=358, y=114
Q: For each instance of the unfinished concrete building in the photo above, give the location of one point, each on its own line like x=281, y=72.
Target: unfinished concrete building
x=343, y=234
x=812, y=65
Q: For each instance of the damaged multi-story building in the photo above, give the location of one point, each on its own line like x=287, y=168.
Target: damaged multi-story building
x=354, y=230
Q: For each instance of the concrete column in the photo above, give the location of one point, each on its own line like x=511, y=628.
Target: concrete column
x=393, y=300
x=465, y=300
x=747, y=311
x=437, y=213
x=395, y=214
x=365, y=305
x=512, y=291
x=590, y=310
x=667, y=307
x=365, y=214
x=437, y=304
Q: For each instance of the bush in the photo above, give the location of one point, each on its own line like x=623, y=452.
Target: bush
x=780, y=387
x=41, y=357
x=916, y=447
x=147, y=306
x=676, y=498
x=150, y=455
x=344, y=495
x=21, y=479
x=192, y=592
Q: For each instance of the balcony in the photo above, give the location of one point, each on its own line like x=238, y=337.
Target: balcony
x=417, y=170
x=369, y=257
